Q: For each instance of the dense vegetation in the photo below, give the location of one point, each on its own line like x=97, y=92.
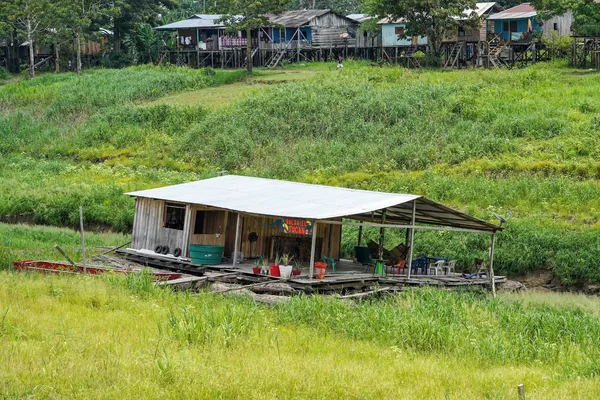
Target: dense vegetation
x=108, y=337
x=520, y=141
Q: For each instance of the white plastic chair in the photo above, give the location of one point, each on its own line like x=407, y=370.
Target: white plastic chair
x=437, y=266
x=448, y=268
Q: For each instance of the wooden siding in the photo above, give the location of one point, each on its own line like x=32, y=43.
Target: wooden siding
x=364, y=39
x=262, y=247
x=563, y=23
x=148, y=230
x=327, y=28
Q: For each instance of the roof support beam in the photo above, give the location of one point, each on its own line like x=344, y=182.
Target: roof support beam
x=492, y=278
x=422, y=227
x=412, y=238
x=237, y=240
x=313, y=247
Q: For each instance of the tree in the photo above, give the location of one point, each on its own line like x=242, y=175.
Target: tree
x=83, y=17
x=246, y=15
x=340, y=6
x=131, y=12
x=586, y=13
x=30, y=18
x=431, y=18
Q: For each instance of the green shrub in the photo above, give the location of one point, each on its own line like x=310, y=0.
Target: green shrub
x=559, y=46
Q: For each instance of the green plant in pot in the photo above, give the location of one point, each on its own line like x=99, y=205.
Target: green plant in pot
x=285, y=269
x=296, y=271
x=264, y=266
x=274, y=268
x=257, y=266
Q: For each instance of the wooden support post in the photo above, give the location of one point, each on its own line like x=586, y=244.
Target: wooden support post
x=298, y=45
x=382, y=235
x=82, y=238
x=313, y=247
x=521, y=391
x=492, y=279
x=329, y=230
x=237, y=240
x=360, y=229
x=412, y=237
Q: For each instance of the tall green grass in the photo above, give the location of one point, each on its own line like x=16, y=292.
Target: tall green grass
x=24, y=242
x=82, y=337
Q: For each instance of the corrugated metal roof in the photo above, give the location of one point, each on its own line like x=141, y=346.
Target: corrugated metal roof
x=360, y=17
x=207, y=21
x=389, y=20
x=480, y=9
x=296, y=18
x=277, y=198
x=525, y=10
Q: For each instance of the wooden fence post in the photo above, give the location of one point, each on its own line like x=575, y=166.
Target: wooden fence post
x=521, y=389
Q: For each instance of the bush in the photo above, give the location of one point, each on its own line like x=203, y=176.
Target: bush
x=4, y=74
x=559, y=46
x=117, y=60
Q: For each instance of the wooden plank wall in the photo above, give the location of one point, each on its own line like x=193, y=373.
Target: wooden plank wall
x=327, y=28
x=148, y=230
x=262, y=246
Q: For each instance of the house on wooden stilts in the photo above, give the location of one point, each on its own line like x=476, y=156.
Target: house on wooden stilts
x=203, y=41
x=310, y=35
x=397, y=44
x=467, y=43
x=517, y=34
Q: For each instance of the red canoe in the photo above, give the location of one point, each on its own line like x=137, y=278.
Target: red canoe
x=59, y=267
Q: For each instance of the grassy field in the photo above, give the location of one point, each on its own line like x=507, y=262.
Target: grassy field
x=111, y=337
x=524, y=141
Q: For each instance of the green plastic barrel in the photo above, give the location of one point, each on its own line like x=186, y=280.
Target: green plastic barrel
x=202, y=254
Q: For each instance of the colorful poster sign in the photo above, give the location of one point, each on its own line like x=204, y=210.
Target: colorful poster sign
x=296, y=226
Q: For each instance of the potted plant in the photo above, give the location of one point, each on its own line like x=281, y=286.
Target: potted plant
x=274, y=268
x=285, y=269
x=264, y=266
x=296, y=271
x=256, y=269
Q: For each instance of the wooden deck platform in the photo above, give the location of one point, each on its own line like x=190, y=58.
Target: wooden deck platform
x=348, y=275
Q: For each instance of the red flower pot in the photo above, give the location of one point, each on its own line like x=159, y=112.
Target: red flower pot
x=256, y=270
x=274, y=270
x=296, y=272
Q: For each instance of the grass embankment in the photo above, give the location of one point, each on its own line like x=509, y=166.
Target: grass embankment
x=107, y=337
x=20, y=242
x=521, y=141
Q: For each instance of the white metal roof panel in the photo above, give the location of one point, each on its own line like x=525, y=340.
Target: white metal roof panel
x=206, y=21
x=278, y=198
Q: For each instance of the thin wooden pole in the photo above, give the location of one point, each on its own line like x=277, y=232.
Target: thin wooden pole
x=237, y=239
x=360, y=229
x=61, y=251
x=313, y=247
x=521, y=391
x=492, y=279
x=82, y=238
x=412, y=237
